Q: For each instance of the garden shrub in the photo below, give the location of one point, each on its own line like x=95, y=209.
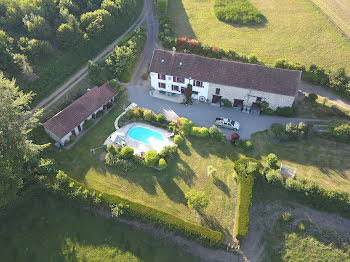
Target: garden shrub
x=339, y=131
x=109, y=159
x=143, y=213
x=151, y=158
x=111, y=149
x=240, y=12
x=246, y=169
x=200, y=131
x=185, y=125
x=277, y=129
x=286, y=111
x=138, y=112
x=114, y=84
x=149, y=115
x=274, y=177
x=144, y=76
x=244, y=144
x=233, y=137
x=162, y=6
x=196, y=200
x=168, y=152
x=172, y=127
x=271, y=160
x=178, y=139
x=160, y=118
x=61, y=178
x=226, y=102
x=88, y=123
x=312, y=97
x=127, y=152
x=71, y=138
x=216, y=134
x=285, y=217
x=162, y=163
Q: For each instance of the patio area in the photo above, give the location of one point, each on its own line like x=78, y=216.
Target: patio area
x=122, y=138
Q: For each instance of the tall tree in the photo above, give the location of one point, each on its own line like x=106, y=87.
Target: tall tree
x=16, y=121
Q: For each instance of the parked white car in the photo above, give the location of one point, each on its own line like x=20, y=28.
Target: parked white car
x=227, y=123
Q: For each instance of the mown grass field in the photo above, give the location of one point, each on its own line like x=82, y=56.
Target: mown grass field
x=324, y=161
x=162, y=190
x=43, y=228
x=294, y=30
x=338, y=11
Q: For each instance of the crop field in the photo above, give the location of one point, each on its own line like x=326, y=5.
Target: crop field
x=295, y=30
x=338, y=11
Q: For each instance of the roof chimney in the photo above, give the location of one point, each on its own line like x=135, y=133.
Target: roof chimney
x=174, y=51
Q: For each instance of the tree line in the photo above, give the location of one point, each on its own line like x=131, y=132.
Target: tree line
x=33, y=29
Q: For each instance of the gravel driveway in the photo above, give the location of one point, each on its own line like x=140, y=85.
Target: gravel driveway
x=203, y=114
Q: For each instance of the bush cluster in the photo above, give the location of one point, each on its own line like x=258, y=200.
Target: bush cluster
x=292, y=132
x=244, y=144
x=199, y=131
x=226, y=102
x=139, y=114
x=80, y=192
x=339, y=131
x=216, y=134
x=240, y=12
x=122, y=159
x=309, y=192
x=151, y=158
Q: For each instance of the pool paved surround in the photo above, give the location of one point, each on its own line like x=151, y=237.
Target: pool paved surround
x=139, y=146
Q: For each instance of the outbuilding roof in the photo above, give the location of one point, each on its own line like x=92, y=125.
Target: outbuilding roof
x=226, y=72
x=74, y=114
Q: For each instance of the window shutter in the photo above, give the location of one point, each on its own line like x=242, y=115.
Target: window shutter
x=158, y=84
x=194, y=82
x=174, y=78
x=158, y=76
x=201, y=84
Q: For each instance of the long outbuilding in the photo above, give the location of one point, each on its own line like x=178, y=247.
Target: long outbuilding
x=69, y=122
x=213, y=80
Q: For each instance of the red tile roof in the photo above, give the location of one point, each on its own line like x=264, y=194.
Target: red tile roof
x=225, y=72
x=74, y=114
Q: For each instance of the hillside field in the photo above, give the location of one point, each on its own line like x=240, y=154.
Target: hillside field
x=294, y=30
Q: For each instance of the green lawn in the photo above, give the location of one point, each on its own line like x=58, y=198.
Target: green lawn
x=162, y=190
x=43, y=228
x=324, y=161
x=294, y=30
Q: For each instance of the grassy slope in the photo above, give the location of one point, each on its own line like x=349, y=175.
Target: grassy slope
x=338, y=11
x=163, y=190
x=46, y=229
x=295, y=30
x=288, y=242
x=325, y=162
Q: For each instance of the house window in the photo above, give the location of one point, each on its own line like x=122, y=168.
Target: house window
x=217, y=91
x=161, y=85
x=258, y=99
x=160, y=76
x=174, y=88
x=178, y=79
x=197, y=83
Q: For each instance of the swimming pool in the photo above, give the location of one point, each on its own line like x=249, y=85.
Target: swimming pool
x=145, y=135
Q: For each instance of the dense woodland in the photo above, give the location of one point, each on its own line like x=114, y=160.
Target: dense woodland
x=42, y=36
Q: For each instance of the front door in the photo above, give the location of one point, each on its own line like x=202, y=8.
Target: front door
x=216, y=99
x=182, y=90
x=79, y=128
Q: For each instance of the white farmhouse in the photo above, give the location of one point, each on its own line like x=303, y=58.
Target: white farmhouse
x=70, y=120
x=245, y=85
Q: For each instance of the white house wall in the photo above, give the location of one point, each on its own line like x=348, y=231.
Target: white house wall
x=249, y=96
x=202, y=91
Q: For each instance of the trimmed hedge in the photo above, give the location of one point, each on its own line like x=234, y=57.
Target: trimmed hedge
x=245, y=169
x=144, y=213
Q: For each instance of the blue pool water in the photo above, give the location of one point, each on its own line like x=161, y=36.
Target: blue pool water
x=145, y=135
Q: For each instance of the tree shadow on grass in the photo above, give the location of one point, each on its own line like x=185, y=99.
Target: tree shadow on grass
x=222, y=186
x=213, y=223
x=178, y=15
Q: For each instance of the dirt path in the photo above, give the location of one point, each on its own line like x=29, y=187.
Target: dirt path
x=264, y=216
x=205, y=254
x=83, y=72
